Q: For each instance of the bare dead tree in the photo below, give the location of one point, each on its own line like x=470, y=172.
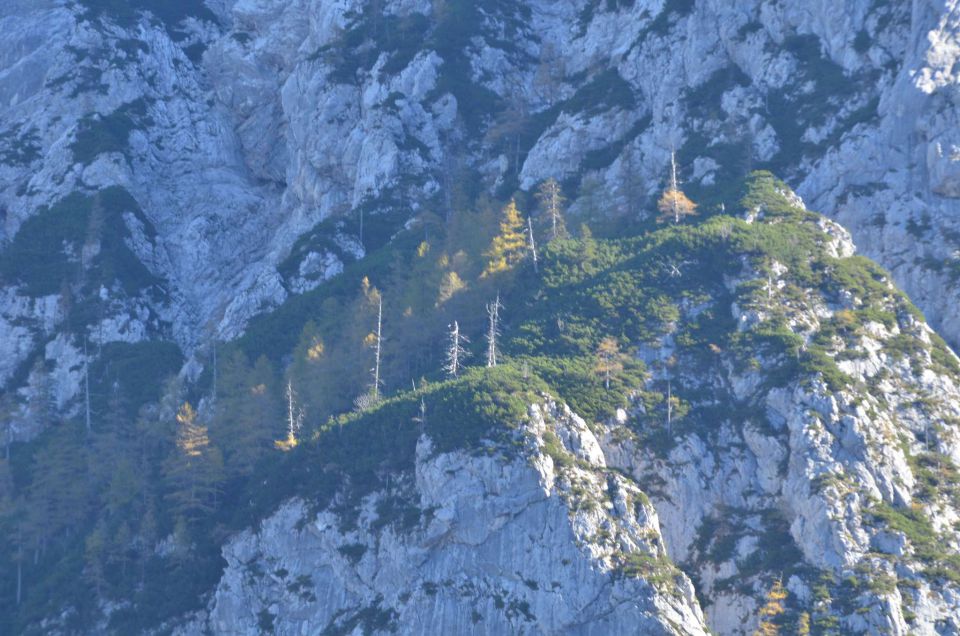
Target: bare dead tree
x=377, y=348
x=456, y=353
x=86, y=386
x=493, y=330
x=551, y=198
x=532, y=244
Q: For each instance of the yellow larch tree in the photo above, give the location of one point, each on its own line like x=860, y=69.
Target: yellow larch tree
x=195, y=471
x=771, y=610
x=510, y=245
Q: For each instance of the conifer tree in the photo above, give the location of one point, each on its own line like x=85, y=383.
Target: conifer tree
x=551, y=200
x=113, y=458
x=509, y=246
x=631, y=183
x=241, y=425
x=12, y=523
x=126, y=484
x=40, y=403
x=309, y=367
x=195, y=469
x=609, y=360
x=147, y=536
x=314, y=347
x=771, y=610
x=95, y=557
x=674, y=205
x=6, y=489
x=182, y=543
x=60, y=492
x=119, y=549
x=19, y=532
x=7, y=408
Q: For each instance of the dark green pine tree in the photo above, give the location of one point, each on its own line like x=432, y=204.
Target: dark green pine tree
x=60, y=494
x=246, y=415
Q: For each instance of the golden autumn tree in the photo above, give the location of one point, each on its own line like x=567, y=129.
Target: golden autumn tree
x=450, y=284
x=771, y=610
x=195, y=470
x=674, y=205
x=508, y=247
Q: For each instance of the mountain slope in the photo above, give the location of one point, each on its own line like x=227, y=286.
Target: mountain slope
x=194, y=200
x=811, y=438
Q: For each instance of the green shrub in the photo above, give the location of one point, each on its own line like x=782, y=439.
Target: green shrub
x=170, y=12
x=98, y=135
x=44, y=254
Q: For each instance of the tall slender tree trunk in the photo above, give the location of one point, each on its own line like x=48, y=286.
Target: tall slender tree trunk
x=674, y=186
x=533, y=245
x=493, y=314
x=669, y=409
x=215, y=372
x=19, y=561
x=86, y=386
x=376, y=367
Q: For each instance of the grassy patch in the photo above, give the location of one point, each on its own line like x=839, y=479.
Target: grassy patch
x=927, y=546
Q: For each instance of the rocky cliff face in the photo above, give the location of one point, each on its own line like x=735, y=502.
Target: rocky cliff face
x=547, y=541
x=816, y=465
x=238, y=127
